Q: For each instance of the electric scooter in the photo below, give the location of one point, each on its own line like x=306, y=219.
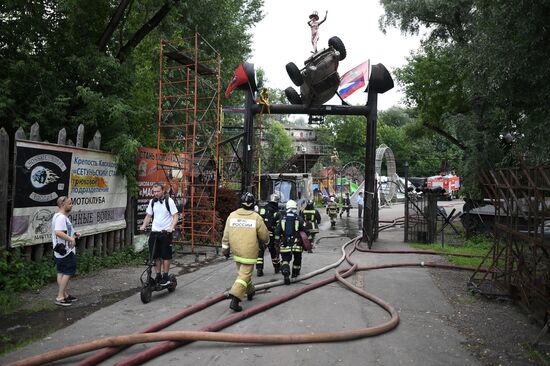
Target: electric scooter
x=148, y=284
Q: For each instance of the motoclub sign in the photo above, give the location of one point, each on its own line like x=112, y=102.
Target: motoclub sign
x=44, y=172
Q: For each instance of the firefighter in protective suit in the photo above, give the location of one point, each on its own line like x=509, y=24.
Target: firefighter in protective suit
x=270, y=213
x=332, y=210
x=312, y=219
x=287, y=233
x=346, y=205
x=244, y=230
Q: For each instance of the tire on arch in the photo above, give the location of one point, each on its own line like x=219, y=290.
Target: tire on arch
x=293, y=96
x=338, y=45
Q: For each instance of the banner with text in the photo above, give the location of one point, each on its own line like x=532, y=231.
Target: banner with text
x=154, y=167
x=44, y=172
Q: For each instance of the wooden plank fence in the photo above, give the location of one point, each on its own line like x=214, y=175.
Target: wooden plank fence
x=102, y=244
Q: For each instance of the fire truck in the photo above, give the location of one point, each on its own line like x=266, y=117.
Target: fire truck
x=449, y=182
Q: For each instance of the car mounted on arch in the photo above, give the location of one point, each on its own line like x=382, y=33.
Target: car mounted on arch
x=319, y=79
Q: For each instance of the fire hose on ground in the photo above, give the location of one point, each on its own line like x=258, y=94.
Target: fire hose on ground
x=176, y=339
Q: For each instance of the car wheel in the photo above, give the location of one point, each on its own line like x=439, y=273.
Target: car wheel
x=293, y=96
x=294, y=72
x=338, y=45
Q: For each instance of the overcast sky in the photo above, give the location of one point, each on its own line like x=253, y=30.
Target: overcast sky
x=283, y=36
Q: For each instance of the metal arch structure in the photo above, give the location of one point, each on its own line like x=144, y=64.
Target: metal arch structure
x=380, y=81
x=354, y=170
x=385, y=153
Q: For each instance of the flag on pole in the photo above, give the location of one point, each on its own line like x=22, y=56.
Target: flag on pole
x=354, y=79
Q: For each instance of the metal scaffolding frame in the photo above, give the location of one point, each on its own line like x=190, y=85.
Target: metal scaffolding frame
x=188, y=134
x=520, y=256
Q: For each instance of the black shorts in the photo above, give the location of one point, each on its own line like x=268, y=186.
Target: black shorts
x=66, y=265
x=161, y=243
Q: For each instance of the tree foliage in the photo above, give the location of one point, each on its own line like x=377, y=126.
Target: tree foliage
x=278, y=149
x=481, y=72
x=57, y=69
x=398, y=129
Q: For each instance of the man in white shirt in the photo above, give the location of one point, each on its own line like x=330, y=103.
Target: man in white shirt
x=63, y=241
x=163, y=210
x=360, y=202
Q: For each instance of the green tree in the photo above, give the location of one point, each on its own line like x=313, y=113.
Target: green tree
x=279, y=147
x=68, y=62
x=482, y=72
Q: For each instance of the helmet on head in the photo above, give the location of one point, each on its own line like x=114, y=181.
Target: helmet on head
x=331, y=198
x=309, y=204
x=274, y=198
x=248, y=200
x=291, y=205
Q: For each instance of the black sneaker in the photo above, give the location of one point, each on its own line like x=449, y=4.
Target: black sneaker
x=63, y=302
x=260, y=272
x=165, y=280
x=71, y=298
x=158, y=279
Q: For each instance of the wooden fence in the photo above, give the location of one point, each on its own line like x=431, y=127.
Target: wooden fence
x=101, y=244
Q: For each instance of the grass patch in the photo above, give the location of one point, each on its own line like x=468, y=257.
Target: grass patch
x=540, y=357
x=18, y=274
x=9, y=345
x=479, y=245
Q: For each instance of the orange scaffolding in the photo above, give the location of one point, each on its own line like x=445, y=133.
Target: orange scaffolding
x=188, y=135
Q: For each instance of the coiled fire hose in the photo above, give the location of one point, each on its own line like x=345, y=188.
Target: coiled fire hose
x=179, y=338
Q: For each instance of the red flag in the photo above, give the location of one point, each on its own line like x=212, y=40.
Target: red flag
x=239, y=78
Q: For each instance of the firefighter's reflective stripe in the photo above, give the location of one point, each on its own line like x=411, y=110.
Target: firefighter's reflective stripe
x=296, y=225
x=262, y=211
x=309, y=215
x=245, y=260
x=242, y=283
x=285, y=249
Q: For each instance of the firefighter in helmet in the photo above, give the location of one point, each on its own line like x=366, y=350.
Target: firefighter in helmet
x=270, y=213
x=244, y=232
x=332, y=210
x=288, y=234
x=346, y=205
x=312, y=219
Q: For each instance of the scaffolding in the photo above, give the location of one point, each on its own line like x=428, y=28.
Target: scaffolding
x=188, y=135
x=519, y=260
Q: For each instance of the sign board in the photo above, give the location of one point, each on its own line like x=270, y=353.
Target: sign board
x=154, y=167
x=45, y=172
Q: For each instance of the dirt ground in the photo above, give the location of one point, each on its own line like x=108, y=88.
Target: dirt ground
x=497, y=332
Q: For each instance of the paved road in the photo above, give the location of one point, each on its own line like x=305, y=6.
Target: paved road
x=422, y=337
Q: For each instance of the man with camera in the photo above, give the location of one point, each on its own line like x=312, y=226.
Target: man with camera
x=64, y=242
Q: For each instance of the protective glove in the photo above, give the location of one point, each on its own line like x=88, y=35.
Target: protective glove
x=225, y=252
